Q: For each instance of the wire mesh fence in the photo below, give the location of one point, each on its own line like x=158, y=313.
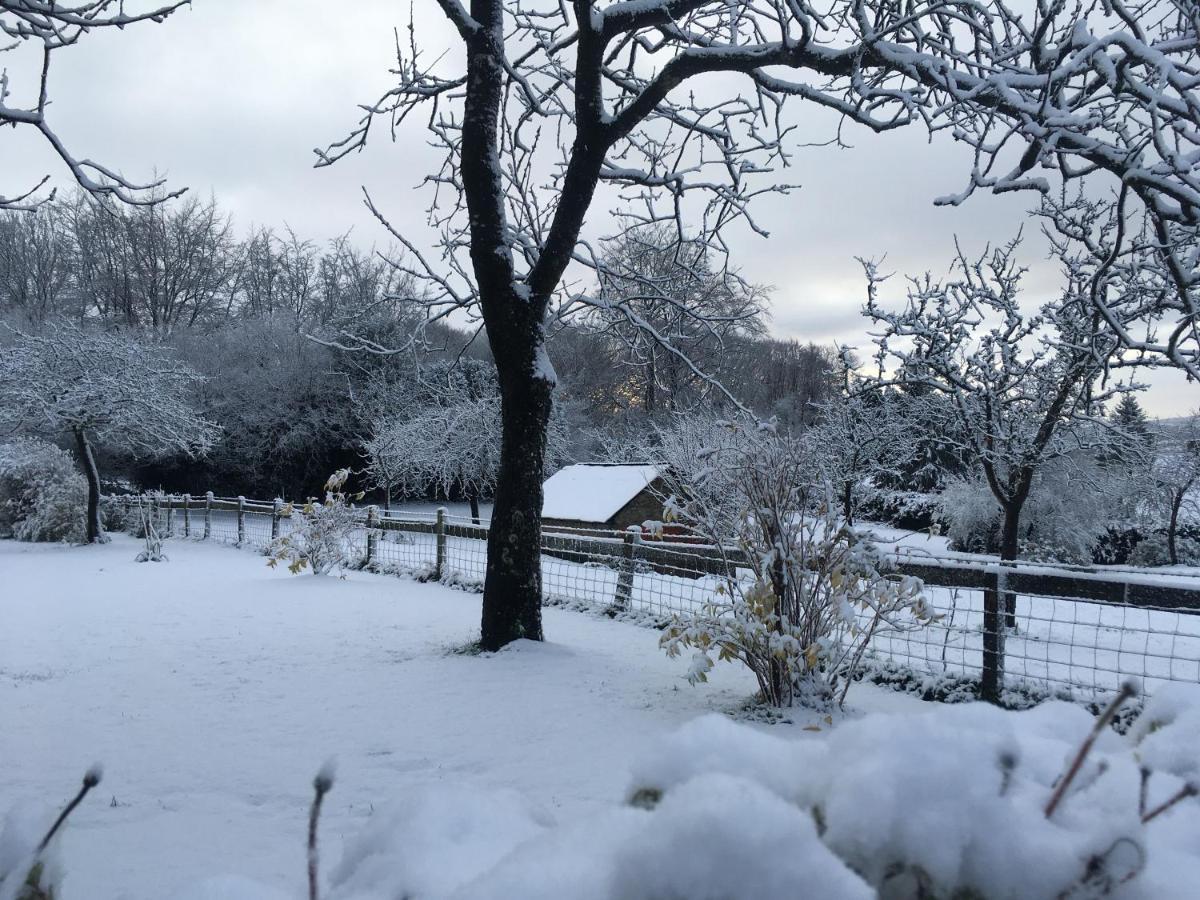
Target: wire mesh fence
x=1014, y=633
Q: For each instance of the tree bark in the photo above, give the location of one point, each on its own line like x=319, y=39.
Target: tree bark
x=1009, y=542
x=87, y=462
x=512, y=587
x=1173, y=526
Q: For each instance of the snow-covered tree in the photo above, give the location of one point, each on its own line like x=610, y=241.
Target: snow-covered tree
x=1173, y=496
x=100, y=388
x=1137, y=254
x=34, y=30
x=446, y=434
x=860, y=435
x=676, y=110
x=673, y=315
x=1021, y=387
x=1069, y=508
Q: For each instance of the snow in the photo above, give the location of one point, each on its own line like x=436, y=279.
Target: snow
x=593, y=493
x=213, y=688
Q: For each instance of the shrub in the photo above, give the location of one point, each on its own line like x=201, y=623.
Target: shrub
x=1152, y=550
x=1063, y=520
x=910, y=510
x=115, y=515
x=809, y=593
x=42, y=495
x=319, y=538
x=149, y=527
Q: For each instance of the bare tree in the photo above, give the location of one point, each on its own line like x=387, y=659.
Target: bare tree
x=448, y=437
x=54, y=26
x=159, y=267
x=547, y=102
x=36, y=262
x=672, y=314
x=100, y=387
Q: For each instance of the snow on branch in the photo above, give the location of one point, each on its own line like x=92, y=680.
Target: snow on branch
x=55, y=26
x=129, y=394
x=680, y=108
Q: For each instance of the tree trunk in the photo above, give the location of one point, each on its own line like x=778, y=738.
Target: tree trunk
x=473, y=499
x=848, y=501
x=87, y=462
x=1009, y=534
x=512, y=588
x=1173, y=527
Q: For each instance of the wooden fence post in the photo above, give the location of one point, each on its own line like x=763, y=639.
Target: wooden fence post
x=241, y=519
x=170, y=515
x=187, y=515
x=439, y=571
x=208, y=498
x=991, y=682
x=372, y=534
x=276, y=507
x=624, y=594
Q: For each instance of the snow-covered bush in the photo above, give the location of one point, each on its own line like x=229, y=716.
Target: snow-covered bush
x=320, y=534
x=116, y=514
x=1154, y=550
x=42, y=495
x=1064, y=518
x=149, y=527
x=806, y=595
x=968, y=802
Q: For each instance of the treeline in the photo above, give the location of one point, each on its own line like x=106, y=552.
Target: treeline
x=264, y=316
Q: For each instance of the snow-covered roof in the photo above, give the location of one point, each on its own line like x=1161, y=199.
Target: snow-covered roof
x=593, y=493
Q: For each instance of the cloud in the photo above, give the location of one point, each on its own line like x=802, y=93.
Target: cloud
x=229, y=97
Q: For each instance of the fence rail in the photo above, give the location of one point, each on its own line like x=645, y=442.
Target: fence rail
x=1070, y=631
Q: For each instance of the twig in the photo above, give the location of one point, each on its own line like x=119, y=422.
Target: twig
x=321, y=786
x=1188, y=790
x=91, y=778
x=1128, y=690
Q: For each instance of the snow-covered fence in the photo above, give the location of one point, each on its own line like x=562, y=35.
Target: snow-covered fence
x=1075, y=631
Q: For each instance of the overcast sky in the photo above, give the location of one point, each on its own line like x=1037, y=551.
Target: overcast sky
x=230, y=97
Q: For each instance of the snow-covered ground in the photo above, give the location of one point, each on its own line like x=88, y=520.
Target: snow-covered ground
x=1085, y=648
x=212, y=688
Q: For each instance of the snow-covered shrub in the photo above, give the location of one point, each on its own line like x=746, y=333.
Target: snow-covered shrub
x=808, y=593
x=1152, y=550
x=954, y=803
x=1063, y=520
x=320, y=536
x=42, y=494
x=116, y=515
x=910, y=510
x=149, y=527
x=967, y=802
